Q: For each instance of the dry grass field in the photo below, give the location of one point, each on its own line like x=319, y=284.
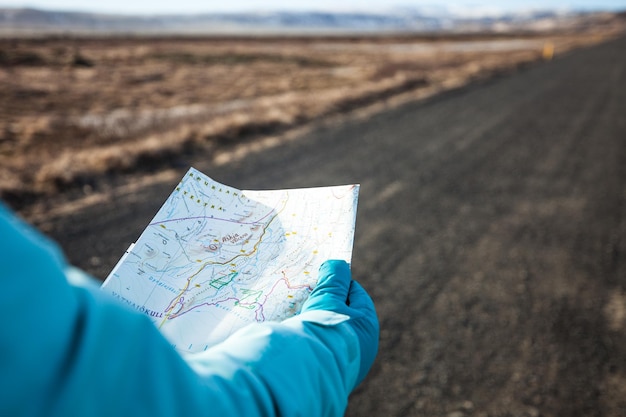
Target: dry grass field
x=73, y=110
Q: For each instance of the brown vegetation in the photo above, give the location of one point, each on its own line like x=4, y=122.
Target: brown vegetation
x=75, y=109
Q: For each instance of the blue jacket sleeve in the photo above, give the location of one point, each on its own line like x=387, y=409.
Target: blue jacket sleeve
x=71, y=351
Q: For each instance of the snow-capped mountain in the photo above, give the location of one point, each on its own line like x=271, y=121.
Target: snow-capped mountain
x=427, y=19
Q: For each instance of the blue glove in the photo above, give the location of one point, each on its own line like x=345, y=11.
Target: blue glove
x=337, y=292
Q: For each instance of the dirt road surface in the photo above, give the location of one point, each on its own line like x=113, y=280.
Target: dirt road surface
x=491, y=233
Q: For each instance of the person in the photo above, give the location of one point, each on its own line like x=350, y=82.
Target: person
x=69, y=350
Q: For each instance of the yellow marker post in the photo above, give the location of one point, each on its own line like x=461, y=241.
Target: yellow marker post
x=548, y=51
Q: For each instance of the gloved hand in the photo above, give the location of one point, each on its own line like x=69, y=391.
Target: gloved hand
x=337, y=292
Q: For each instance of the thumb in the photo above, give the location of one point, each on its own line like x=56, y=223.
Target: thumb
x=359, y=299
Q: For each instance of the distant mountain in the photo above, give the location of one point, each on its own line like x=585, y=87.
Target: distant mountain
x=27, y=20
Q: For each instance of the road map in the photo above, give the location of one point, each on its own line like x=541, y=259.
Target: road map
x=215, y=258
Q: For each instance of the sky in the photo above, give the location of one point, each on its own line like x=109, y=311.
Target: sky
x=203, y=6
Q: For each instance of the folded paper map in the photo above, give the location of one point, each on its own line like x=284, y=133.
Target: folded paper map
x=215, y=258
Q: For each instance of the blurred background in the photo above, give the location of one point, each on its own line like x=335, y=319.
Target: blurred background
x=88, y=90
x=488, y=138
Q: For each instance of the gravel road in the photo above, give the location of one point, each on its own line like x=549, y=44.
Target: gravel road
x=491, y=233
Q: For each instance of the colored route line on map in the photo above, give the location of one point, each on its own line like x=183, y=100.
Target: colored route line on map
x=259, y=316
x=179, y=299
x=289, y=285
x=212, y=218
x=342, y=195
